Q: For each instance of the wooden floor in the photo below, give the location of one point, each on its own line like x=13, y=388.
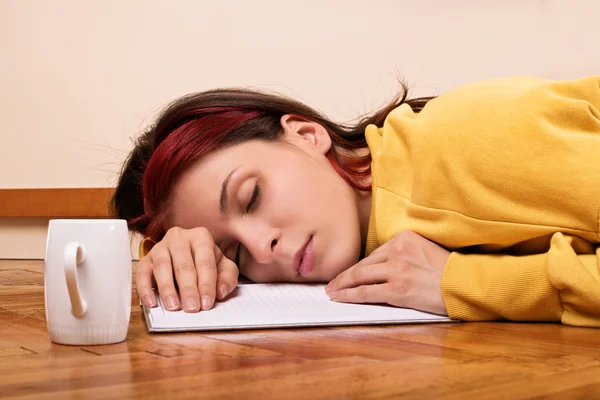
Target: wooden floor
x=445, y=361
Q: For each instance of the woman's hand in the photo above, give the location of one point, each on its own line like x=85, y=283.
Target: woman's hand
x=202, y=272
x=404, y=272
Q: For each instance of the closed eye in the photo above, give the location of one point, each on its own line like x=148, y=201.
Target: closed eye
x=251, y=205
x=254, y=198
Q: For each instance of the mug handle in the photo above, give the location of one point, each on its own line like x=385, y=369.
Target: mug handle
x=73, y=256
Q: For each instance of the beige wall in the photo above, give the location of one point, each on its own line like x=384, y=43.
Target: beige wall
x=79, y=78
x=25, y=238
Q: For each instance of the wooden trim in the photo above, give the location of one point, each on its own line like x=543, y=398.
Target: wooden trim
x=71, y=202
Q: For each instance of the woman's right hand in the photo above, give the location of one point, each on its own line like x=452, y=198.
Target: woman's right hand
x=190, y=258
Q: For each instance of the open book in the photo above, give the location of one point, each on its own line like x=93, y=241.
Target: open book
x=277, y=305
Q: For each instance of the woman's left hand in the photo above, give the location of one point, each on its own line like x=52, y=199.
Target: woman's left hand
x=406, y=272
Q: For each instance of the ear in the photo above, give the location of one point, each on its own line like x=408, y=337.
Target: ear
x=303, y=132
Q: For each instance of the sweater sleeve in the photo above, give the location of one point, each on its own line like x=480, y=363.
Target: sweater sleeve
x=551, y=193
x=562, y=284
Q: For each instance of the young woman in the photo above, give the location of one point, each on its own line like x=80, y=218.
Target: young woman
x=482, y=204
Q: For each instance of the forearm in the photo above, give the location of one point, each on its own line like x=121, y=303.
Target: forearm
x=559, y=285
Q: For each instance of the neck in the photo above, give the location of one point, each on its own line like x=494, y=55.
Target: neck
x=363, y=204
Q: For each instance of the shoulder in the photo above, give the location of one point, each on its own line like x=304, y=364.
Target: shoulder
x=491, y=96
x=513, y=94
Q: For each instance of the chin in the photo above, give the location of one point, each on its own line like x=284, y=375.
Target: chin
x=340, y=266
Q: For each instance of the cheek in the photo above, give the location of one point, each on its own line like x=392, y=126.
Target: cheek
x=260, y=274
x=304, y=182
x=292, y=191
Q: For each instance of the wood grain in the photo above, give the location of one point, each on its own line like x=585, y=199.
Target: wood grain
x=67, y=202
x=443, y=361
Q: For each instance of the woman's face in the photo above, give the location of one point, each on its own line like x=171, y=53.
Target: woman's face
x=279, y=208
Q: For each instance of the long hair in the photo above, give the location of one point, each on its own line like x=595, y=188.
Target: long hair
x=197, y=124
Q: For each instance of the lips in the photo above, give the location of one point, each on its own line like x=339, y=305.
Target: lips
x=304, y=259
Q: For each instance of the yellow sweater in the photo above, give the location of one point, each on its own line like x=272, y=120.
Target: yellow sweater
x=506, y=174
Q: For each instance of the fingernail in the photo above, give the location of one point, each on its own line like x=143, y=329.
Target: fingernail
x=223, y=291
x=206, y=303
x=191, y=304
x=149, y=301
x=332, y=295
x=172, y=303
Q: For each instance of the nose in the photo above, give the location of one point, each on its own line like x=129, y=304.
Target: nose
x=261, y=242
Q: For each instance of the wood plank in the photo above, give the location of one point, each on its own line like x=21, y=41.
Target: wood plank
x=494, y=360
x=63, y=202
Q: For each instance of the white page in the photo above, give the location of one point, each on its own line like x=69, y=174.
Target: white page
x=281, y=305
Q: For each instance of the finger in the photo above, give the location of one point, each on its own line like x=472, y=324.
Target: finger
x=359, y=274
x=163, y=274
x=362, y=294
x=185, y=274
x=143, y=282
x=206, y=269
x=227, y=277
x=379, y=256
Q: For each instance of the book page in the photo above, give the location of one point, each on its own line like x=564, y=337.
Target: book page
x=281, y=305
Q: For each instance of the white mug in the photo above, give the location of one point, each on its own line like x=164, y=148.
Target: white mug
x=87, y=281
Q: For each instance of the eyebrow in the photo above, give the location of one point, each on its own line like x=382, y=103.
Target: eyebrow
x=224, y=198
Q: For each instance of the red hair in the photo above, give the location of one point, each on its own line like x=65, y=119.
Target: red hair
x=175, y=154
